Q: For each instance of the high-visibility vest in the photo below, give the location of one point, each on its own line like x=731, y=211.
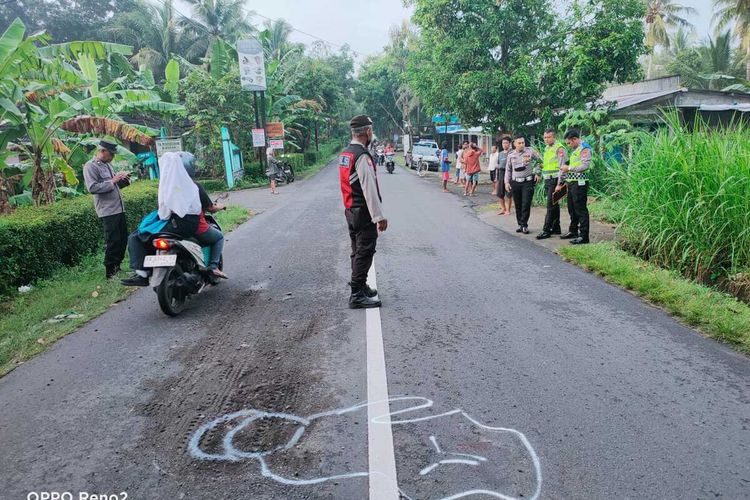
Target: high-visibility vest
x=550, y=164
x=351, y=189
x=575, y=162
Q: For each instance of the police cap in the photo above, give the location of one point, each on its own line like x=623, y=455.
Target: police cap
x=109, y=146
x=360, y=121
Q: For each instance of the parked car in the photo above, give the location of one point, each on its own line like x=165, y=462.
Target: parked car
x=425, y=152
x=431, y=144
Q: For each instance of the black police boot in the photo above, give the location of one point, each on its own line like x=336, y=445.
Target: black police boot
x=525, y=230
x=543, y=235
x=135, y=280
x=579, y=241
x=360, y=300
x=370, y=292
x=557, y=230
x=569, y=236
x=111, y=272
x=520, y=229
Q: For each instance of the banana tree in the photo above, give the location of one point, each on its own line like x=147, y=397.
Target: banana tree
x=43, y=87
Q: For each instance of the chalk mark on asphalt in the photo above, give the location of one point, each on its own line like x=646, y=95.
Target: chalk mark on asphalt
x=229, y=452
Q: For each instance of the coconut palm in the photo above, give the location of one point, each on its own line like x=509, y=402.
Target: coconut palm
x=736, y=12
x=155, y=32
x=662, y=15
x=213, y=19
x=277, y=41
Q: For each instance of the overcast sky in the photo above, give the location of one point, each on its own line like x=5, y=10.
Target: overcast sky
x=364, y=24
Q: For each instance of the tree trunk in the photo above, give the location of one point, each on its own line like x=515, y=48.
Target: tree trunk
x=42, y=183
x=650, y=67
x=316, y=136
x=5, y=206
x=747, y=62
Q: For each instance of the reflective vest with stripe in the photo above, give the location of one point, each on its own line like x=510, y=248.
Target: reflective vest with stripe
x=351, y=188
x=550, y=164
x=575, y=162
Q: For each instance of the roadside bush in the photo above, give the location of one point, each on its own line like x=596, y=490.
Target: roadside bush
x=311, y=157
x=213, y=185
x=36, y=241
x=685, y=199
x=296, y=160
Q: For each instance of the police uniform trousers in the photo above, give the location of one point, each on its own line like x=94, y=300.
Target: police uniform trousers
x=578, y=209
x=552, y=219
x=115, y=241
x=523, y=194
x=364, y=236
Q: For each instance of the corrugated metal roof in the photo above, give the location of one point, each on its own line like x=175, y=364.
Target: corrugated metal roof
x=744, y=108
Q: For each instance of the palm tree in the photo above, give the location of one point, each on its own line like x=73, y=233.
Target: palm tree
x=213, y=19
x=154, y=30
x=277, y=43
x=716, y=60
x=736, y=12
x=660, y=16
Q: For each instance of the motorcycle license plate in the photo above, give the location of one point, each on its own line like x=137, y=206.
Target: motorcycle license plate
x=160, y=260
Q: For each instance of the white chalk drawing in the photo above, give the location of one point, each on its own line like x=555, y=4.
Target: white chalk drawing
x=240, y=420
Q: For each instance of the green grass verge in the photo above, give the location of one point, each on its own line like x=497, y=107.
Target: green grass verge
x=25, y=329
x=719, y=315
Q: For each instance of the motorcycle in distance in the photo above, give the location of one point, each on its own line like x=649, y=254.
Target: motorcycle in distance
x=390, y=163
x=179, y=268
x=285, y=173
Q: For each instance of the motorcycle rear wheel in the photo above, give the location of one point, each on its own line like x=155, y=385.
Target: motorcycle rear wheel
x=171, y=299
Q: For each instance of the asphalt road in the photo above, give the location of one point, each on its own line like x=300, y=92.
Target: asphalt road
x=510, y=374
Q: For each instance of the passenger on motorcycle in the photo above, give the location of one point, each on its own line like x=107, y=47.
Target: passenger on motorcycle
x=182, y=203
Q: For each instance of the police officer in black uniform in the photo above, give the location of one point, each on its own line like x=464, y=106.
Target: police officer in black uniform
x=363, y=209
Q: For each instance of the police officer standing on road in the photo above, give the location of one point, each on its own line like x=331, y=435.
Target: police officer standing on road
x=363, y=210
x=553, y=160
x=575, y=176
x=104, y=184
x=520, y=176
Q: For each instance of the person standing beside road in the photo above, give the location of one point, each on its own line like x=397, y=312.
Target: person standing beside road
x=460, y=162
x=575, y=176
x=494, y=157
x=273, y=168
x=554, y=159
x=445, y=166
x=472, y=167
x=102, y=182
x=506, y=200
x=520, y=176
x=362, y=208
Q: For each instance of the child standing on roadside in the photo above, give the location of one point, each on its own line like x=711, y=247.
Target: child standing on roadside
x=445, y=166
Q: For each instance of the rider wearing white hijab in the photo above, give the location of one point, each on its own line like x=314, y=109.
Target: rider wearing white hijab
x=178, y=194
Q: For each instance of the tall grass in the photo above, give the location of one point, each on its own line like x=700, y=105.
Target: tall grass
x=686, y=194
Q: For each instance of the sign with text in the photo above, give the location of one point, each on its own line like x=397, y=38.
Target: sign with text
x=168, y=146
x=259, y=137
x=275, y=129
x=276, y=144
x=252, y=65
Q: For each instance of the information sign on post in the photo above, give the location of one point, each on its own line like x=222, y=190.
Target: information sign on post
x=259, y=137
x=276, y=144
x=252, y=65
x=275, y=129
x=168, y=146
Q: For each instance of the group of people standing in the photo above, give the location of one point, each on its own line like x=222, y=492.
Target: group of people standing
x=515, y=169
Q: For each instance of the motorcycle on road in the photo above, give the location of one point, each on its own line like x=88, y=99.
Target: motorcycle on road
x=390, y=162
x=180, y=269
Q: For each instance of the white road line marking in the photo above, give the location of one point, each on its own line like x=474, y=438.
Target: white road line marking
x=381, y=458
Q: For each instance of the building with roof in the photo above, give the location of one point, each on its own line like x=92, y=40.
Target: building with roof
x=642, y=103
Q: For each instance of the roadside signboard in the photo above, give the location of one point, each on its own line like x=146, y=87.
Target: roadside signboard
x=252, y=65
x=275, y=129
x=276, y=144
x=168, y=146
x=259, y=137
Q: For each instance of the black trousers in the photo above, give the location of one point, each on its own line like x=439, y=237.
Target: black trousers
x=552, y=219
x=364, y=236
x=523, y=193
x=578, y=209
x=115, y=241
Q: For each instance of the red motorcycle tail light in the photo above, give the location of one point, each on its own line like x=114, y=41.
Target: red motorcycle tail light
x=161, y=244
